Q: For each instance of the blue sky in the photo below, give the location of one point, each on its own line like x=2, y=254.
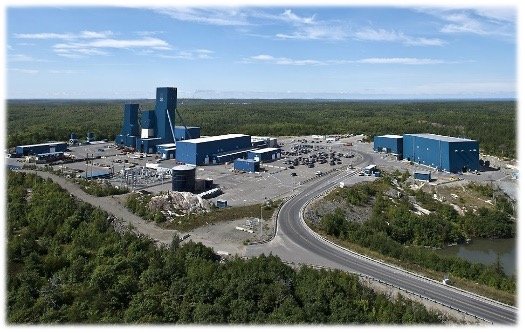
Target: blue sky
x=261, y=52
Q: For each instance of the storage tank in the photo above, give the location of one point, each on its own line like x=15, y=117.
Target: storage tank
x=183, y=178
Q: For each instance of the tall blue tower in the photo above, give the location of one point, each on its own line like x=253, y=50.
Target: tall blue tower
x=165, y=104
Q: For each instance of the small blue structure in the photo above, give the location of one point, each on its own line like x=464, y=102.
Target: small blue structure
x=213, y=150
x=391, y=144
x=442, y=152
x=422, y=175
x=41, y=148
x=265, y=154
x=167, y=151
x=246, y=165
x=130, y=128
x=186, y=133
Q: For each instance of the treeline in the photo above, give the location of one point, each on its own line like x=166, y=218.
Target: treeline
x=395, y=231
x=493, y=123
x=67, y=264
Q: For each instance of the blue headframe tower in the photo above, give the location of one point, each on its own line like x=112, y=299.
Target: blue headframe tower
x=156, y=126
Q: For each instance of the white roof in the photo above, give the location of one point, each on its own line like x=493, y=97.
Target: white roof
x=167, y=145
x=215, y=138
x=371, y=166
x=264, y=150
x=43, y=144
x=391, y=136
x=183, y=167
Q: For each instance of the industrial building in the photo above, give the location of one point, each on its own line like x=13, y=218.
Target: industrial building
x=265, y=154
x=422, y=175
x=391, y=144
x=264, y=141
x=167, y=150
x=214, y=149
x=442, y=152
x=155, y=127
x=186, y=133
x=41, y=148
x=248, y=165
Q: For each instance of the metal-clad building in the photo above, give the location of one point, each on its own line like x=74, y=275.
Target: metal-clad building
x=391, y=144
x=442, y=152
x=183, y=178
x=167, y=150
x=422, y=175
x=41, y=148
x=265, y=154
x=186, y=133
x=214, y=149
x=130, y=127
x=246, y=165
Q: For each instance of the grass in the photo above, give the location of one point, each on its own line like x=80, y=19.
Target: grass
x=461, y=283
x=190, y=222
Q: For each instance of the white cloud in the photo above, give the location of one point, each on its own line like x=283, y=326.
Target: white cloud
x=265, y=58
x=65, y=36
x=485, y=21
x=290, y=17
x=402, y=61
x=24, y=71
x=316, y=33
x=189, y=55
x=221, y=17
x=64, y=71
x=382, y=35
x=20, y=58
x=97, y=46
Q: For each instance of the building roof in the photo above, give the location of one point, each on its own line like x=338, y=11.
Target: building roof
x=43, y=144
x=264, y=150
x=421, y=172
x=215, y=138
x=440, y=137
x=249, y=160
x=166, y=145
x=183, y=167
x=391, y=136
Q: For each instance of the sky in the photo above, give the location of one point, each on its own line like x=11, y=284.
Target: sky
x=342, y=52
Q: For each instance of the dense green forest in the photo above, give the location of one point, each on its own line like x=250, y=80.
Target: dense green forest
x=493, y=123
x=67, y=264
x=395, y=231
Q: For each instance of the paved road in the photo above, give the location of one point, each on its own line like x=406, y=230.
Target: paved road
x=295, y=242
x=112, y=206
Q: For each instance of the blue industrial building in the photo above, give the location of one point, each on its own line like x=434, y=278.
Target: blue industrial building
x=265, y=154
x=154, y=127
x=187, y=133
x=391, y=144
x=214, y=149
x=41, y=148
x=167, y=150
x=246, y=165
x=442, y=152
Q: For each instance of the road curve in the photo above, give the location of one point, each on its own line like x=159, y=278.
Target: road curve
x=294, y=241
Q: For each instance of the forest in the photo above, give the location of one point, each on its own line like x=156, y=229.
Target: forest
x=69, y=262
x=492, y=123
x=395, y=231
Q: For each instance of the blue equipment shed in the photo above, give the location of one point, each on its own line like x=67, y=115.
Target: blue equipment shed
x=442, y=152
x=265, y=154
x=422, y=175
x=41, y=148
x=391, y=144
x=167, y=151
x=186, y=133
x=213, y=150
x=246, y=165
